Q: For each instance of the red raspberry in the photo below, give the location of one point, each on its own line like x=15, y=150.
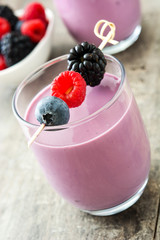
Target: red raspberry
x=35, y=29
x=34, y=10
x=5, y=26
x=2, y=63
x=70, y=86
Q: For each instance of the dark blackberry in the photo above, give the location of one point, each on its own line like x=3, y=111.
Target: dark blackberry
x=6, y=12
x=89, y=61
x=15, y=46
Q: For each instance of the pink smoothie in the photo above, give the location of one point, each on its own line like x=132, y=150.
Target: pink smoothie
x=104, y=159
x=81, y=16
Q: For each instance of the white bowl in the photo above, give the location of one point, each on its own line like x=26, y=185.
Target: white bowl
x=39, y=55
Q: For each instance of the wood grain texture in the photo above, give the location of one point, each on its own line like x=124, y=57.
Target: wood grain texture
x=29, y=208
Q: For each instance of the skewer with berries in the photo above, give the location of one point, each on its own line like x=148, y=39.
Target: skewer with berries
x=86, y=66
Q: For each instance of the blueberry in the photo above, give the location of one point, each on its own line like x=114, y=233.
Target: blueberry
x=18, y=25
x=52, y=111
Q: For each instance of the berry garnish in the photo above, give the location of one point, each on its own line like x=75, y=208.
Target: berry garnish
x=35, y=29
x=34, y=10
x=2, y=63
x=70, y=86
x=89, y=61
x=15, y=46
x=7, y=13
x=4, y=26
x=52, y=111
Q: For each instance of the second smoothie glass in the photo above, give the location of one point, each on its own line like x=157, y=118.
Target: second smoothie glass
x=99, y=163
x=80, y=17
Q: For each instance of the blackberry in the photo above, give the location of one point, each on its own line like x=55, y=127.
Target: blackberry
x=89, y=61
x=15, y=46
x=7, y=12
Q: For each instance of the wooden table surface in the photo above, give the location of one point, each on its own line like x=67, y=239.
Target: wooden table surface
x=29, y=208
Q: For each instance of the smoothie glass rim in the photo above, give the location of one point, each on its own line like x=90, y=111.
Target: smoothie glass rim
x=77, y=122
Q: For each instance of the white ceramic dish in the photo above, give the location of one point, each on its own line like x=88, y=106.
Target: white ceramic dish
x=16, y=73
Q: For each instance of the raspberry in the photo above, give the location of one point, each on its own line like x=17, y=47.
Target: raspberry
x=34, y=10
x=4, y=26
x=2, y=63
x=35, y=29
x=70, y=86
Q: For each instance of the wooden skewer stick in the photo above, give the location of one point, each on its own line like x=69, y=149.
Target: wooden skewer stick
x=105, y=39
x=109, y=37
x=35, y=135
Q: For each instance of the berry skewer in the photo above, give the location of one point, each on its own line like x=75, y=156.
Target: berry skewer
x=86, y=65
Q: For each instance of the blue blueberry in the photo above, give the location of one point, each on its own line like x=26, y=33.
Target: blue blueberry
x=52, y=111
x=18, y=25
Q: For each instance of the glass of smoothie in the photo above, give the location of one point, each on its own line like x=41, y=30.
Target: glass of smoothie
x=99, y=161
x=80, y=17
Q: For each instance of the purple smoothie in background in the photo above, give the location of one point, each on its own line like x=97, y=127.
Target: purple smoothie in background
x=100, y=162
x=80, y=17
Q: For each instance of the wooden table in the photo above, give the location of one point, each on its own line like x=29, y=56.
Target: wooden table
x=29, y=208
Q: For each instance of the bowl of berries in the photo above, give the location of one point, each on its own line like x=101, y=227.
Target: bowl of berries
x=25, y=41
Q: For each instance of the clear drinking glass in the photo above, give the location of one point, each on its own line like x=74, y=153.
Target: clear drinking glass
x=100, y=162
x=81, y=16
